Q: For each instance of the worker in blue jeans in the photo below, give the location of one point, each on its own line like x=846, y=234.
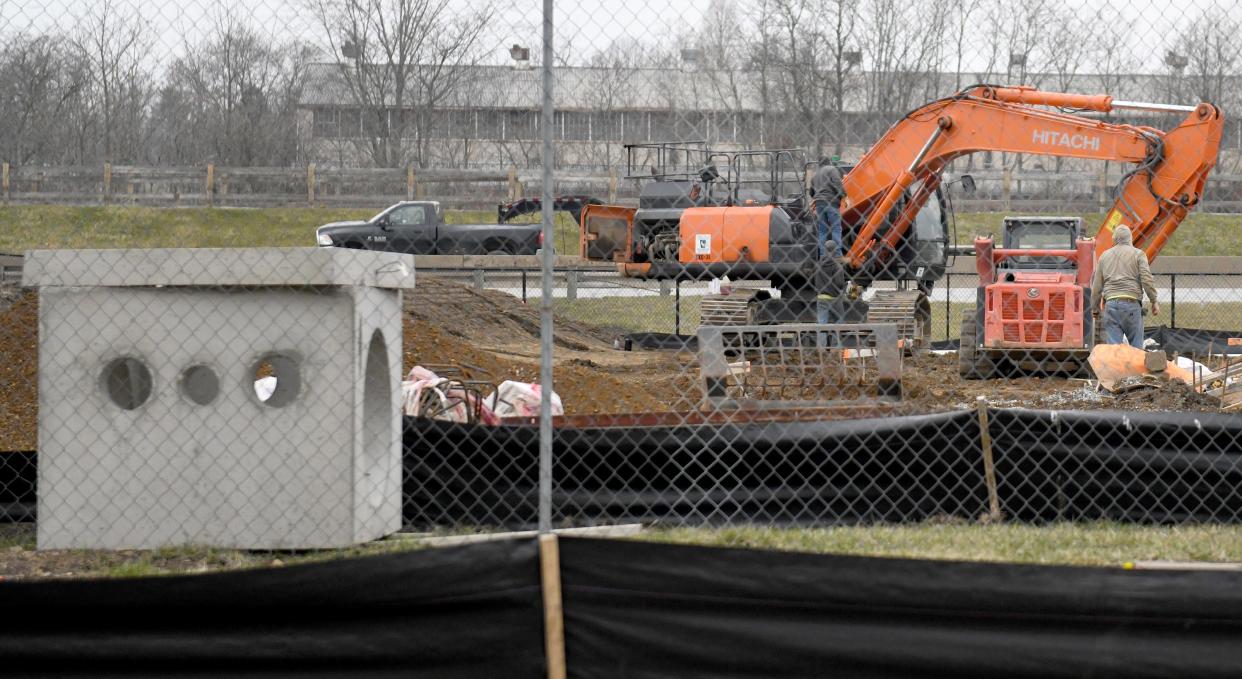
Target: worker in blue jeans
x=1122, y=277
x=827, y=190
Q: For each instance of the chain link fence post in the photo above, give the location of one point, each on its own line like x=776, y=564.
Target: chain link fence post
x=548, y=158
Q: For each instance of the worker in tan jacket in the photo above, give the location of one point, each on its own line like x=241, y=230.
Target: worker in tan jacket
x=1122, y=277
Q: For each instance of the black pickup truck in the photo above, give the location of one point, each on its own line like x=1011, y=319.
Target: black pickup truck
x=417, y=227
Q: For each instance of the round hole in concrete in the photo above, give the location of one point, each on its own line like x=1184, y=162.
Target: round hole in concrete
x=200, y=384
x=277, y=379
x=126, y=381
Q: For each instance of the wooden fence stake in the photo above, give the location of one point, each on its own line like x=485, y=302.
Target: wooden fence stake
x=553, y=613
x=5, y=180
x=989, y=468
x=513, y=184
x=409, y=182
x=107, y=182
x=310, y=184
x=612, y=187
x=211, y=184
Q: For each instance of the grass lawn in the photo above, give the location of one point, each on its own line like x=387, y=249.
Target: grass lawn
x=1100, y=544
x=55, y=226
x=29, y=227
x=19, y=560
x=1200, y=234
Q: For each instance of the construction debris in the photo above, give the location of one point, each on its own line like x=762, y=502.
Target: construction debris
x=1118, y=367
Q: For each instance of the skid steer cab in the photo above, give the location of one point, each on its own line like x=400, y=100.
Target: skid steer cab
x=1032, y=310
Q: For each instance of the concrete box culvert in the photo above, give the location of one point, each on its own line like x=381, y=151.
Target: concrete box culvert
x=150, y=430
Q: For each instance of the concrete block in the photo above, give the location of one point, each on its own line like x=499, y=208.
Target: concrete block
x=151, y=430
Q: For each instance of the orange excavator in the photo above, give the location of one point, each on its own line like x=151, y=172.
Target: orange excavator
x=728, y=218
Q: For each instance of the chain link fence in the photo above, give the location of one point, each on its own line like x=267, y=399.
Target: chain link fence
x=174, y=372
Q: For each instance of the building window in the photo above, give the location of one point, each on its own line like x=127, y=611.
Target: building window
x=351, y=123
x=326, y=123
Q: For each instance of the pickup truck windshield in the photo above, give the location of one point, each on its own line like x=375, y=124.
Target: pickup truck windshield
x=407, y=215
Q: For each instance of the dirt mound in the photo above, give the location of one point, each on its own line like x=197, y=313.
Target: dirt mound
x=933, y=383
x=9, y=294
x=454, y=324
x=492, y=318
x=933, y=380
x=1167, y=395
x=19, y=363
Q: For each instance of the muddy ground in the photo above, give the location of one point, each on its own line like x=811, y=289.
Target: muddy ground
x=498, y=337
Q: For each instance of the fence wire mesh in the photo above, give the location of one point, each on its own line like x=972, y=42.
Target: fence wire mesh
x=796, y=243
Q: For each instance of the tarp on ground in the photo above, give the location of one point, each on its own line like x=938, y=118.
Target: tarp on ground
x=644, y=610
x=1191, y=342
x=632, y=609
x=457, y=612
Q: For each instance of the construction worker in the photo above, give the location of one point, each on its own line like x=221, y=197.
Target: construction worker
x=827, y=191
x=1122, y=277
x=830, y=285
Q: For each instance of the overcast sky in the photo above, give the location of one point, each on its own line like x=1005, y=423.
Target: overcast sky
x=583, y=27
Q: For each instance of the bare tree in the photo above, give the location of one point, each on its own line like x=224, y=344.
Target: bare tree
x=959, y=19
x=1203, y=64
x=1065, y=56
x=906, y=51
x=43, y=83
x=1064, y=48
x=238, y=92
x=1016, y=49
x=810, y=60
x=722, y=77
x=400, y=60
x=1015, y=38
x=1115, y=61
x=113, y=45
x=615, y=80
x=1212, y=62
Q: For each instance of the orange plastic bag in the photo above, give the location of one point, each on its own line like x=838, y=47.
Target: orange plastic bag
x=1114, y=362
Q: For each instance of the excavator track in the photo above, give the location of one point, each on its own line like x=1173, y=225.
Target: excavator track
x=910, y=310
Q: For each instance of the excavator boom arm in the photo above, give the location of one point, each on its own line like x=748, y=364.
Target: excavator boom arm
x=1171, y=167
